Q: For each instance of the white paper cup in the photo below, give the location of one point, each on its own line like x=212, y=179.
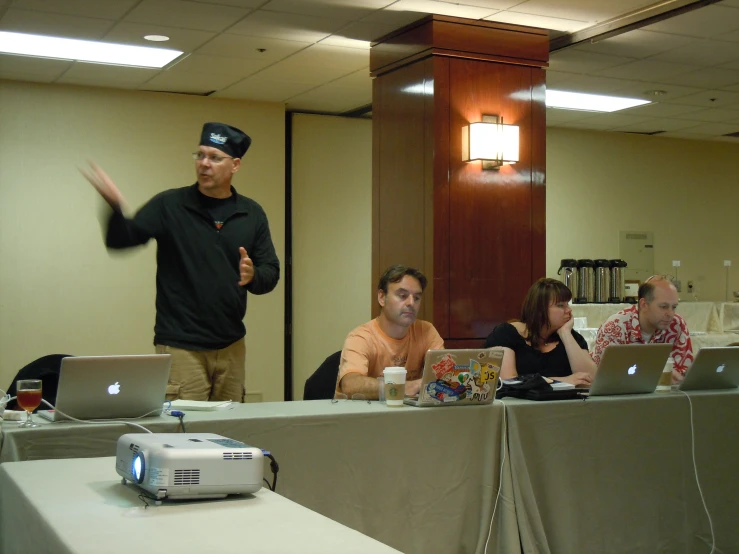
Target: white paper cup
x=394, y=385
x=665, y=380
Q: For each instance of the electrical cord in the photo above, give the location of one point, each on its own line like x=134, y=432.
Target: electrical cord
x=180, y=415
x=695, y=469
x=500, y=477
x=274, y=467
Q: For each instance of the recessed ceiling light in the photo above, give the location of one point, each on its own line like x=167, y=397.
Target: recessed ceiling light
x=85, y=50
x=590, y=102
x=156, y=38
x=655, y=92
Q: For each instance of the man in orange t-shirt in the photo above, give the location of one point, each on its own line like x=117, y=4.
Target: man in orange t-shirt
x=394, y=338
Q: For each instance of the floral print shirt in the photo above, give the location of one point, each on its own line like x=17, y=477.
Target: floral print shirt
x=623, y=328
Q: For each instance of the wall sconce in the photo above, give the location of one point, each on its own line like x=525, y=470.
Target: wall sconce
x=492, y=142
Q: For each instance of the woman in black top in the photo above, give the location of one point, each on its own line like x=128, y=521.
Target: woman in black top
x=543, y=341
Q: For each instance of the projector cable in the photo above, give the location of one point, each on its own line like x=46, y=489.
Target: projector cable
x=181, y=416
x=274, y=467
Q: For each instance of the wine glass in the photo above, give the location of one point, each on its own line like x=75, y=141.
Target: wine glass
x=28, y=396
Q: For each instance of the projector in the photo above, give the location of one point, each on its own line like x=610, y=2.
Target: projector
x=183, y=466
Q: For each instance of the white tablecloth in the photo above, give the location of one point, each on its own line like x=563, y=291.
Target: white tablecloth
x=79, y=506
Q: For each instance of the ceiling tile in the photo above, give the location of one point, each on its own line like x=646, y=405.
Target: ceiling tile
x=249, y=4
x=711, y=115
x=319, y=64
x=642, y=89
x=221, y=65
x=100, y=75
x=705, y=22
x=557, y=78
x=338, y=40
x=711, y=77
x=185, y=40
x=543, y=22
x=259, y=87
x=591, y=84
x=576, y=61
x=300, y=28
x=240, y=46
x=348, y=93
x=367, y=31
x=582, y=125
x=453, y=9
x=56, y=25
x=636, y=44
x=556, y=116
x=646, y=70
x=704, y=53
x=715, y=128
x=34, y=69
x=590, y=10
x=659, y=109
x=330, y=9
x=104, y=9
x=193, y=83
x=711, y=99
x=615, y=119
x=655, y=124
x=187, y=15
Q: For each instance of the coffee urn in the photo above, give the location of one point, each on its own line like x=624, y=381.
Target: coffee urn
x=618, y=269
x=602, y=281
x=569, y=277
x=585, y=284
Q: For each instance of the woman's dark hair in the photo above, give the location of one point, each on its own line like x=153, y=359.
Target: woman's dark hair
x=395, y=274
x=535, y=309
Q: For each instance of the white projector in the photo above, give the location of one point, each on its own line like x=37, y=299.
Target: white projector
x=184, y=466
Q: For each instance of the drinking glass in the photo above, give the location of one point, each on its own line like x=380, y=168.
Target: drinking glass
x=28, y=396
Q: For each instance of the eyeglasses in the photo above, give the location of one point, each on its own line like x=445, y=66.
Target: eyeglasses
x=212, y=158
x=340, y=397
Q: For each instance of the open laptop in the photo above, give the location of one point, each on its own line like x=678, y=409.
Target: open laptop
x=714, y=368
x=459, y=377
x=110, y=387
x=630, y=369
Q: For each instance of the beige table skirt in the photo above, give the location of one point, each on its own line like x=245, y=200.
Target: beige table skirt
x=420, y=480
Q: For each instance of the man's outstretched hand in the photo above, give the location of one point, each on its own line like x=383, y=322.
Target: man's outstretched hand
x=104, y=185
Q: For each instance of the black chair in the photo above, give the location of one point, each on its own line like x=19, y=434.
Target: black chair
x=322, y=384
x=45, y=368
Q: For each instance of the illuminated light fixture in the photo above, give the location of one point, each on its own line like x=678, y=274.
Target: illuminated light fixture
x=85, y=50
x=590, y=102
x=492, y=142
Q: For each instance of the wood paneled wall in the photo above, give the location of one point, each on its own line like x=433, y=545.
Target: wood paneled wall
x=479, y=235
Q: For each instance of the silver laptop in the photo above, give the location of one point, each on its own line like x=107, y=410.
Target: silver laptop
x=713, y=368
x=111, y=387
x=459, y=377
x=630, y=369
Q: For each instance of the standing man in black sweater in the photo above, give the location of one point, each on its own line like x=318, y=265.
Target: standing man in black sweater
x=213, y=246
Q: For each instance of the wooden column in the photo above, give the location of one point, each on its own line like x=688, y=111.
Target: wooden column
x=479, y=235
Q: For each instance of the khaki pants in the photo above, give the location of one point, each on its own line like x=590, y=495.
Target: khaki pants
x=207, y=375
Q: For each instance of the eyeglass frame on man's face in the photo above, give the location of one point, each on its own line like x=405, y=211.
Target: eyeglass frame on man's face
x=202, y=156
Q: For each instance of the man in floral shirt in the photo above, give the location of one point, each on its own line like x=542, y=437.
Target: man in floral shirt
x=652, y=320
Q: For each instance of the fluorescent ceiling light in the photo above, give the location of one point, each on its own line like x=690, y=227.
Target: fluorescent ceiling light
x=85, y=50
x=590, y=102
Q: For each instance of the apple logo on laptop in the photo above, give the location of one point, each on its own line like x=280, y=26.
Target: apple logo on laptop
x=632, y=370
x=720, y=368
x=115, y=388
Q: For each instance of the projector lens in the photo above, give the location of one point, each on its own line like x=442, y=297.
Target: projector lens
x=138, y=467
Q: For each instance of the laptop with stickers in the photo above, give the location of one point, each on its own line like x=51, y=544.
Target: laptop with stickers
x=459, y=377
x=111, y=387
x=714, y=368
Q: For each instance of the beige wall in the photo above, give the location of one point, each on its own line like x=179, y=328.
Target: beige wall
x=60, y=290
x=686, y=192
x=332, y=210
